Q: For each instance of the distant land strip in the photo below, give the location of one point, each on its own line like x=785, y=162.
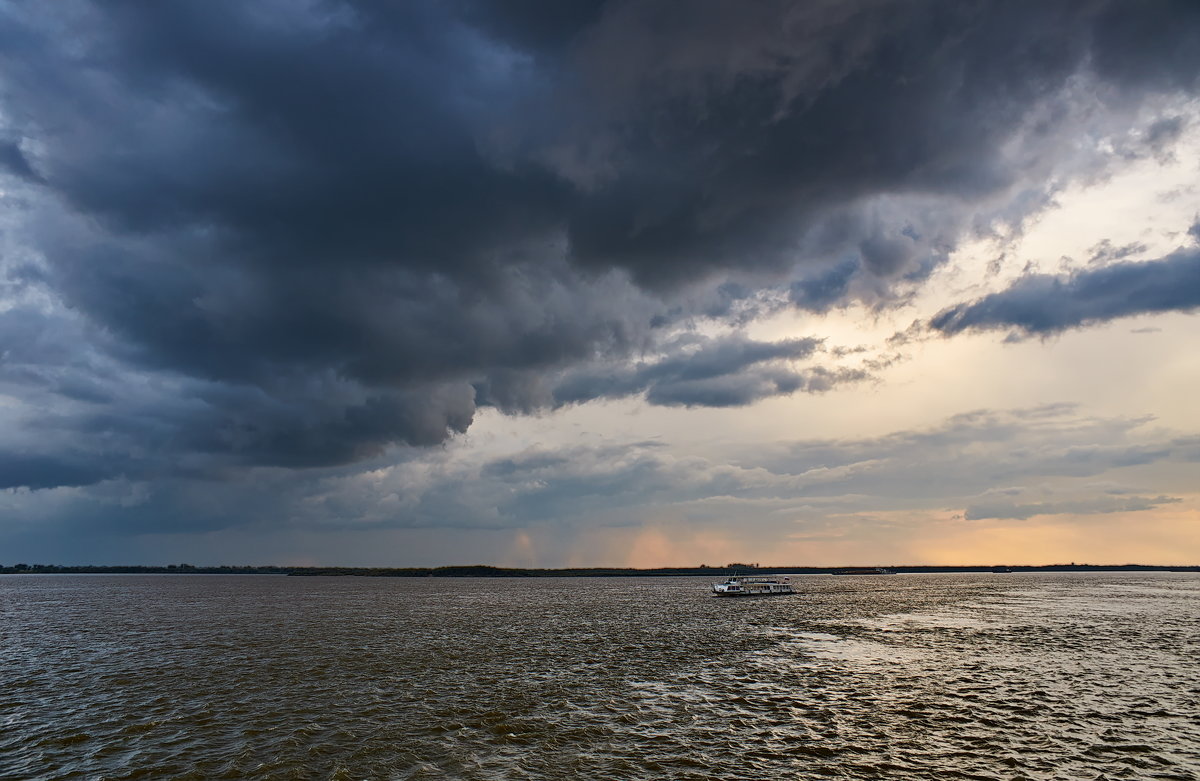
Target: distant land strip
x=484, y=571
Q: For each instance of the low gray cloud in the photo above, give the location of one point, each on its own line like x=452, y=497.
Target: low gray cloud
x=1047, y=304
x=1103, y=504
x=724, y=372
x=999, y=465
x=990, y=461
x=970, y=454
x=1044, y=459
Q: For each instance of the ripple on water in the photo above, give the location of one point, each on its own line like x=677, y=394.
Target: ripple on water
x=1036, y=676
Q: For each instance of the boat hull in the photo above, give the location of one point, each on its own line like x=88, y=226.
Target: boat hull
x=745, y=595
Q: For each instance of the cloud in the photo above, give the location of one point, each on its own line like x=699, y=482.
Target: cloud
x=952, y=464
x=1093, y=506
x=302, y=237
x=771, y=120
x=724, y=372
x=1046, y=304
x=998, y=464
x=37, y=471
x=819, y=291
x=13, y=160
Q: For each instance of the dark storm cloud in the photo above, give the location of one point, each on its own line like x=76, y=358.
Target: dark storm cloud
x=27, y=470
x=252, y=428
x=319, y=133
x=1046, y=304
x=1155, y=43
x=13, y=160
x=741, y=126
x=317, y=229
x=825, y=288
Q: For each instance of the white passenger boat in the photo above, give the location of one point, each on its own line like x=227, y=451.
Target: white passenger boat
x=752, y=586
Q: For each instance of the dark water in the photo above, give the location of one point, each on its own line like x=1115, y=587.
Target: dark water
x=1079, y=676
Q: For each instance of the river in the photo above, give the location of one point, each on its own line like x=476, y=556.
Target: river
x=988, y=676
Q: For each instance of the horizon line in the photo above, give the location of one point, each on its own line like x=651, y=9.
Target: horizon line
x=22, y=567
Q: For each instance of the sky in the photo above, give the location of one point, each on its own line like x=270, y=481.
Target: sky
x=549, y=283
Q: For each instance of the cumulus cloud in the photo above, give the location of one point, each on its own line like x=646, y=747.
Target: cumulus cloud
x=300, y=237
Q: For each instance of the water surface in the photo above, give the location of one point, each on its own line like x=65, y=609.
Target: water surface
x=1036, y=676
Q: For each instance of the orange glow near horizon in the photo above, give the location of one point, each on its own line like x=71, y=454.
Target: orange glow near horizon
x=1166, y=536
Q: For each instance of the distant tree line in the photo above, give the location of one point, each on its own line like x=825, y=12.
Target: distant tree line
x=122, y=569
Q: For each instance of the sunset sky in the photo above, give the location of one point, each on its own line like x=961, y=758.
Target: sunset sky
x=600, y=283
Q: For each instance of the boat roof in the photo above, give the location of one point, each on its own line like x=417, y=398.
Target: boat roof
x=756, y=578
